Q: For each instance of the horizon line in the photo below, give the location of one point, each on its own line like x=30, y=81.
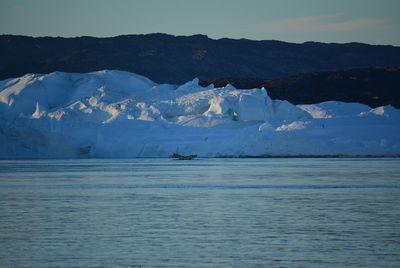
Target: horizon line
x=194, y=35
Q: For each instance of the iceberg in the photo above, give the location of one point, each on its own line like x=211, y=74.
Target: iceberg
x=116, y=114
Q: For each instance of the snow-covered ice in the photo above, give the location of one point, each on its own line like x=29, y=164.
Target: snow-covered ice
x=121, y=114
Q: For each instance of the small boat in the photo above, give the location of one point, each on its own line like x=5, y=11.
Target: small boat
x=184, y=157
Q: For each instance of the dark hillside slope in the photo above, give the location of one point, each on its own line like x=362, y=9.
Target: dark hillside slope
x=177, y=59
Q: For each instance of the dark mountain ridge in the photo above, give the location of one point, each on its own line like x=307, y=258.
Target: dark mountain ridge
x=177, y=59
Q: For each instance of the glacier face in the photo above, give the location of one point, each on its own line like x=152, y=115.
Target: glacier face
x=121, y=114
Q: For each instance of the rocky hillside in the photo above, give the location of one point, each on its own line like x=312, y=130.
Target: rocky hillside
x=177, y=59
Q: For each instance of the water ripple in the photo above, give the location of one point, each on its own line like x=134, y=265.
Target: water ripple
x=192, y=186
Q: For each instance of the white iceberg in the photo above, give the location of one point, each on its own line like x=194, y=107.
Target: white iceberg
x=121, y=114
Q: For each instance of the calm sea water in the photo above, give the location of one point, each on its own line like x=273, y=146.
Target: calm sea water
x=200, y=213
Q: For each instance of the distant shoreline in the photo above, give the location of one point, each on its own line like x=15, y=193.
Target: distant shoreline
x=221, y=157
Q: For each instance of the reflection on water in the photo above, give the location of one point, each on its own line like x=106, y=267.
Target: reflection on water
x=200, y=213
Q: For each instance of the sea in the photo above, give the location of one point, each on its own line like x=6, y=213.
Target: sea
x=263, y=212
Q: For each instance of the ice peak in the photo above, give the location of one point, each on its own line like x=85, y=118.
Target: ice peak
x=189, y=86
x=38, y=112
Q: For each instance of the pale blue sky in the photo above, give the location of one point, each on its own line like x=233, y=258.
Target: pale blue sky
x=368, y=21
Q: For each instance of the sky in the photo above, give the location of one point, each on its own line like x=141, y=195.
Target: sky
x=339, y=21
